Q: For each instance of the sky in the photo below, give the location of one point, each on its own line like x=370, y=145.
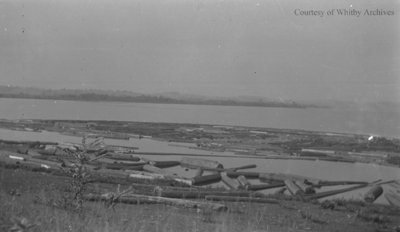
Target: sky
x=207, y=47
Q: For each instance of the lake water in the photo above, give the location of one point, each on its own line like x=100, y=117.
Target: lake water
x=365, y=121
x=360, y=120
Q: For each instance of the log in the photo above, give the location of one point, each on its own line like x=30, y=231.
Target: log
x=231, y=183
x=154, y=176
x=207, y=179
x=127, y=157
x=345, y=182
x=334, y=192
x=307, y=189
x=373, y=194
x=199, y=172
x=229, y=169
x=250, y=166
x=166, y=164
x=32, y=143
x=249, y=175
x=152, y=169
x=199, y=163
x=143, y=199
x=145, y=175
x=281, y=191
x=283, y=177
x=122, y=166
x=244, y=183
x=293, y=188
x=198, y=194
x=241, y=199
x=255, y=187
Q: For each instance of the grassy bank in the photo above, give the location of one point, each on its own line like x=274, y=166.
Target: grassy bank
x=34, y=201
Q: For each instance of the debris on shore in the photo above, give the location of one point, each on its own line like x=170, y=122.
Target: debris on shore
x=155, y=183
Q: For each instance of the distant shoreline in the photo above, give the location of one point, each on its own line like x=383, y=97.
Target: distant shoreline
x=90, y=96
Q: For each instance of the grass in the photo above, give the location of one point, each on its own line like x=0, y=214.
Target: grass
x=35, y=201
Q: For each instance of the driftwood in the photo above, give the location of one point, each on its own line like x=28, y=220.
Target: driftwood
x=241, y=199
x=143, y=199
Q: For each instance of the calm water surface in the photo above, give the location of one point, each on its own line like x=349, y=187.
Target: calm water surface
x=360, y=120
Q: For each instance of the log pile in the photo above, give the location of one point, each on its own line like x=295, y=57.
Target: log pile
x=111, y=166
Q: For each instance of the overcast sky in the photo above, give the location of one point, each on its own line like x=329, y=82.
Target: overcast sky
x=209, y=47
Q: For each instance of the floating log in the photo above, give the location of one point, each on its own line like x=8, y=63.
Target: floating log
x=231, y=183
x=307, y=189
x=335, y=192
x=244, y=183
x=241, y=199
x=206, y=179
x=373, y=194
x=143, y=199
x=250, y=166
x=165, y=164
x=255, y=187
x=199, y=163
x=293, y=188
x=249, y=175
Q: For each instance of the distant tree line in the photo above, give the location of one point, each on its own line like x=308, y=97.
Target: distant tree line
x=146, y=99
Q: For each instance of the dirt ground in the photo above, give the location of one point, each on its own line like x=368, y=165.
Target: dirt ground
x=33, y=201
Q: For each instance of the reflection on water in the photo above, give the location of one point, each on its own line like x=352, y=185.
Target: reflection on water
x=319, y=169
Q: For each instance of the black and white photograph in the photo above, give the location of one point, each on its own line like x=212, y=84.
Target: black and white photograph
x=199, y=115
